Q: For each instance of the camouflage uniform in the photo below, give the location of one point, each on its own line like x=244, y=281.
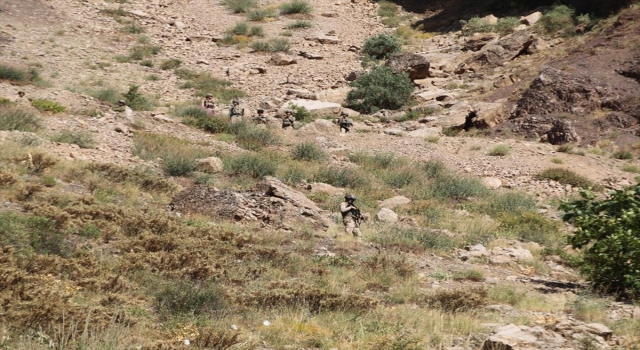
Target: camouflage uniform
x=260, y=118
x=209, y=105
x=235, y=110
x=288, y=120
x=344, y=122
x=350, y=225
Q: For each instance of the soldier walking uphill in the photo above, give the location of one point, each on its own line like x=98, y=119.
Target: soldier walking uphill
x=235, y=111
x=288, y=120
x=351, y=216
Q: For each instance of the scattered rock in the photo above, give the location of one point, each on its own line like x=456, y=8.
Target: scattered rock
x=387, y=216
x=492, y=182
x=211, y=165
x=318, y=107
x=280, y=59
x=396, y=201
x=319, y=187
x=478, y=40
x=394, y=132
x=415, y=65
x=531, y=19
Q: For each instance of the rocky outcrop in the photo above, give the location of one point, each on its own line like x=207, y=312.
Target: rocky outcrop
x=415, y=65
x=317, y=107
x=393, y=202
x=562, y=132
x=498, y=52
x=387, y=216
x=272, y=202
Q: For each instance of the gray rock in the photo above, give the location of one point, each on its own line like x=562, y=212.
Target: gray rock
x=281, y=59
x=319, y=187
x=415, y=65
x=314, y=106
x=211, y=165
x=394, y=132
x=492, y=182
x=531, y=19
x=387, y=215
x=396, y=201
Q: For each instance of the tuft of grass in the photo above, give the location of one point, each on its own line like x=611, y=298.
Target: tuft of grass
x=241, y=6
x=433, y=139
x=80, y=138
x=622, y=154
x=137, y=100
x=251, y=137
x=257, y=15
x=566, y=177
x=30, y=234
x=260, y=46
x=108, y=95
x=342, y=177
x=500, y=150
x=45, y=105
x=133, y=28
x=178, y=156
x=506, y=294
x=16, y=119
x=279, y=45
x=556, y=160
x=185, y=298
x=251, y=164
x=296, y=6
x=204, y=84
x=458, y=300
x=300, y=24
x=630, y=168
x=308, y=151
x=17, y=75
x=172, y=63
x=469, y=275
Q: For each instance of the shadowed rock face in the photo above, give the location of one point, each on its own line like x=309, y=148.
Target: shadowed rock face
x=415, y=65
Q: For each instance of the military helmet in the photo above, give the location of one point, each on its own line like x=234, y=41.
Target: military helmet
x=288, y=111
x=261, y=111
x=350, y=196
x=208, y=95
x=122, y=102
x=235, y=102
x=343, y=113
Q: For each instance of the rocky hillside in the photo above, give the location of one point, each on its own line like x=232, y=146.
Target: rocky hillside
x=158, y=226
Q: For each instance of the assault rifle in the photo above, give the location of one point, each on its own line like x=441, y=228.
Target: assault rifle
x=357, y=216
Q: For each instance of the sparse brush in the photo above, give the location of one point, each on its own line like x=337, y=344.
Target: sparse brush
x=566, y=177
x=622, y=154
x=82, y=139
x=137, y=100
x=187, y=298
x=296, y=6
x=250, y=137
x=260, y=46
x=133, y=29
x=17, y=75
x=170, y=64
x=506, y=294
x=178, y=157
x=500, y=150
x=387, y=9
x=630, y=168
x=458, y=300
x=45, y=105
x=254, y=165
x=300, y=24
x=279, y=45
x=108, y=95
x=261, y=14
x=241, y=6
x=17, y=119
x=308, y=151
x=342, y=177
x=204, y=84
x=469, y=275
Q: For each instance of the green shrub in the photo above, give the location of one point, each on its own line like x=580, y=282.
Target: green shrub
x=256, y=31
x=44, y=105
x=622, y=154
x=401, y=177
x=17, y=119
x=387, y=9
x=459, y=300
x=342, y=177
x=209, y=124
x=529, y=226
x=301, y=113
x=476, y=25
x=178, y=156
x=80, y=138
x=413, y=239
x=379, y=89
x=296, y=6
x=133, y=28
x=510, y=202
x=607, y=231
x=507, y=24
x=565, y=177
x=376, y=161
x=136, y=100
x=240, y=28
x=140, y=52
x=191, y=112
x=509, y=295
x=630, y=168
x=260, y=46
x=251, y=164
x=381, y=46
x=108, y=95
x=261, y=14
x=434, y=169
x=32, y=234
x=204, y=84
x=566, y=148
x=240, y=6
x=147, y=63
x=500, y=150
x=308, y=151
x=17, y=75
x=170, y=64
x=187, y=298
x=560, y=18
x=301, y=24
x=469, y=275
x=251, y=137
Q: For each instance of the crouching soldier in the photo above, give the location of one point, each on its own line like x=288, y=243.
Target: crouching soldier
x=288, y=120
x=344, y=122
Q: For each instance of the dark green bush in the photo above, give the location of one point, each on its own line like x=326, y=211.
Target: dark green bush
x=17, y=75
x=379, y=89
x=342, y=177
x=559, y=19
x=80, y=138
x=32, y=234
x=254, y=165
x=381, y=46
x=607, y=231
x=192, y=112
x=187, y=298
x=296, y=6
x=108, y=95
x=622, y=154
x=240, y=6
x=308, y=151
x=136, y=100
x=453, y=186
x=566, y=177
x=17, y=119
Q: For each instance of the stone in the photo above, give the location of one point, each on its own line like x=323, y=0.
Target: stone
x=635, y=314
x=210, y=165
x=140, y=14
x=301, y=93
x=310, y=56
x=531, y=19
x=599, y=329
x=393, y=202
x=562, y=132
x=329, y=14
x=413, y=64
x=338, y=95
x=492, y=182
x=121, y=128
x=324, y=39
x=280, y=59
x=436, y=94
x=491, y=19
x=317, y=107
x=319, y=126
x=496, y=53
x=178, y=24
x=203, y=61
x=387, y=216
x=394, y=132
x=319, y=187
x=426, y=132
x=478, y=40
x=162, y=118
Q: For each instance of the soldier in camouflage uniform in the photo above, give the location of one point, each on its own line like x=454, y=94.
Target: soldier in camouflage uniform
x=209, y=105
x=288, y=120
x=260, y=118
x=349, y=211
x=235, y=111
x=344, y=122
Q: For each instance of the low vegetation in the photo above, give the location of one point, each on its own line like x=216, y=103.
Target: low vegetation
x=82, y=139
x=308, y=151
x=170, y=64
x=178, y=156
x=18, y=75
x=204, y=83
x=378, y=89
x=241, y=6
x=296, y=7
x=381, y=46
x=300, y=24
x=272, y=45
x=12, y=118
x=500, y=150
x=262, y=14
x=566, y=177
x=44, y=105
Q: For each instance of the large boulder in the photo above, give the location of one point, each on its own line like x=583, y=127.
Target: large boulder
x=320, y=187
x=272, y=202
x=211, y=165
x=280, y=59
x=478, y=40
x=514, y=337
x=338, y=95
x=319, y=126
x=316, y=107
x=393, y=202
x=562, y=132
x=498, y=52
x=387, y=216
x=415, y=65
